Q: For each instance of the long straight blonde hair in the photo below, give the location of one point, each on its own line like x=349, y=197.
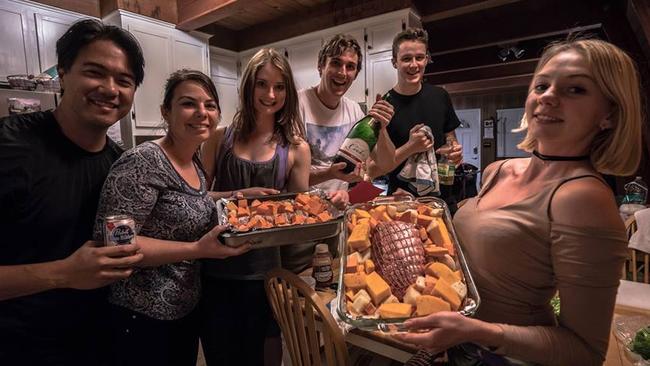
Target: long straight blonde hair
x=288, y=124
x=615, y=151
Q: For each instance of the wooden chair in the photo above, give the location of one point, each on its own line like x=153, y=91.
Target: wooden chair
x=305, y=326
x=637, y=263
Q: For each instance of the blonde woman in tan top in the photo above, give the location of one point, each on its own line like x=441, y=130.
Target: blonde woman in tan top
x=549, y=222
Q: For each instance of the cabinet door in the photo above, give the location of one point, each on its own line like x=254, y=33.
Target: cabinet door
x=223, y=65
x=16, y=41
x=228, y=98
x=380, y=36
x=357, y=91
x=303, y=59
x=382, y=76
x=50, y=27
x=148, y=97
x=189, y=53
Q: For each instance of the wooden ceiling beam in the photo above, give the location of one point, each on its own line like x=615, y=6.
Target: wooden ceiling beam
x=466, y=9
x=482, y=73
x=194, y=14
x=323, y=16
x=519, y=82
x=515, y=21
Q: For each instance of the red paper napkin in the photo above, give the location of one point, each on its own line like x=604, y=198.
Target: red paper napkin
x=363, y=192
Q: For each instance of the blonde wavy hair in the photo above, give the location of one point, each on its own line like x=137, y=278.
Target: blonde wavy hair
x=289, y=128
x=615, y=151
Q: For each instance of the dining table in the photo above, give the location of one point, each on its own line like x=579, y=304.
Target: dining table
x=633, y=298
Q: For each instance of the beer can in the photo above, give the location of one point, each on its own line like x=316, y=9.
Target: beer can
x=119, y=230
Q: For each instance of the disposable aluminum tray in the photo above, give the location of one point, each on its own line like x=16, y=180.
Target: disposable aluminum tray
x=278, y=236
x=471, y=301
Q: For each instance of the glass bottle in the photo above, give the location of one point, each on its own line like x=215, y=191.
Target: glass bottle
x=447, y=169
x=322, y=266
x=636, y=192
x=359, y=142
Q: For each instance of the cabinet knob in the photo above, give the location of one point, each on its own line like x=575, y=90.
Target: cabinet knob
x=369, y=47
x=133, y=115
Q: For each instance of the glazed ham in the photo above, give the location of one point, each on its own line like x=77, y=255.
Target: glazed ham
x=398, y=254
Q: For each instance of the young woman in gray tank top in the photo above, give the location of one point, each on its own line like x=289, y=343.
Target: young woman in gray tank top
x=264, y=148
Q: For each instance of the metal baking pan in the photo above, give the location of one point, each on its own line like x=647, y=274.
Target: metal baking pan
x=283, y=235
x=470, y=303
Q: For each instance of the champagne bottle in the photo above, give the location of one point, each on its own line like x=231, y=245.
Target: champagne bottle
x=359, y=142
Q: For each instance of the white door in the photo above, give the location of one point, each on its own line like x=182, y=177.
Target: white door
x=469, y=135
x=381, y=75
x=228, y=98
x=303, y=58
x=155, y=48
x=50, y=28
x=507, y=140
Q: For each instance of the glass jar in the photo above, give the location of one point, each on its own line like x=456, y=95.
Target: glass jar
x=322, y=266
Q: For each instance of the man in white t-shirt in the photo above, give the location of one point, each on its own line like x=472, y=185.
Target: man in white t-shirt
x=328, y=116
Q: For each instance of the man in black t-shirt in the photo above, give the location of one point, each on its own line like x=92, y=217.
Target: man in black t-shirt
x=52, y=168
x=417, y=104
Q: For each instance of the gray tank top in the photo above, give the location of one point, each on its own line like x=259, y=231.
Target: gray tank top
x=232, y=173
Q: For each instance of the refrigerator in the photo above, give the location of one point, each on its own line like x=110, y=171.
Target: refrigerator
x=24, y=101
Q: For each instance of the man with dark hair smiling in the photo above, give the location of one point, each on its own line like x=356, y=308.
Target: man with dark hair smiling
x=52, y=167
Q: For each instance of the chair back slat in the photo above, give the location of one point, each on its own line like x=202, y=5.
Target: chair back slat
x=306, y=323
x=313, y=331
x=636, y=264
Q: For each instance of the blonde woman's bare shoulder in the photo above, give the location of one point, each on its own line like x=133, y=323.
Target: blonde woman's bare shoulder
x=585, y=202
x=508, y=168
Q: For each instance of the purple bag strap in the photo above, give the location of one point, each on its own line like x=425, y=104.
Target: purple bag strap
x=283, y=155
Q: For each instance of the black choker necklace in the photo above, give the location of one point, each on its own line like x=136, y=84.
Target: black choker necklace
x=560, y=158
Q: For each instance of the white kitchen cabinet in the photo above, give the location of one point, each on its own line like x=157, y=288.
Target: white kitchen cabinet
x=382, y=76
x=16, y=38
x=303, y=58
x=223, y=63
x=158, y=65
x=357, y=91
x=50, y=27
x=228, y=98
x=380, y=36
x=223, y=71
x=165, y=49
x=28, y=35
x=190, y=51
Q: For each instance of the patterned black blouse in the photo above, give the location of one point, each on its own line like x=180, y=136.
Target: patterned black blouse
x=144, y=185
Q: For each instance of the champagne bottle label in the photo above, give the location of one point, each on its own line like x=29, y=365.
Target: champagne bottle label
x=355, y=149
